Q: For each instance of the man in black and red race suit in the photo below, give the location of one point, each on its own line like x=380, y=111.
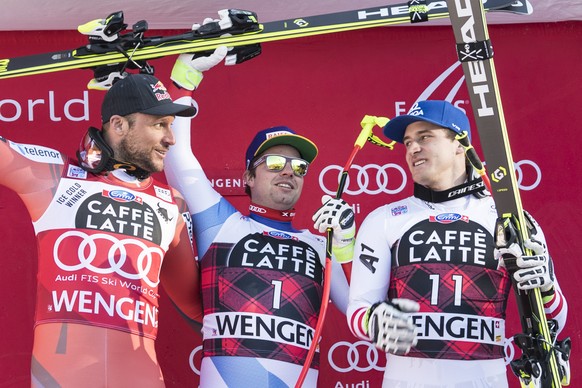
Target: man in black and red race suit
x=427, y=285
x=108, y=233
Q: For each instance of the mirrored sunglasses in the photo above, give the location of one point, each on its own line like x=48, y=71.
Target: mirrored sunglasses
x=278, y=163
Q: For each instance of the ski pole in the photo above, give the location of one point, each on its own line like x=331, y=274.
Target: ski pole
x=367, y=123
x=366, y=134
x=474, y=158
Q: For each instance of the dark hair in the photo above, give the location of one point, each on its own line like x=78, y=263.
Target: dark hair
x=250, y=173
x=130, y=121
x=449, y=133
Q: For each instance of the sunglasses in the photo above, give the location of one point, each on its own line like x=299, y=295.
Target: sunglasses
x=278, y=163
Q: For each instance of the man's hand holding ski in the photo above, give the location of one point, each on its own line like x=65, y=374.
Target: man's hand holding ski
x=188, y=69
x=532, y=271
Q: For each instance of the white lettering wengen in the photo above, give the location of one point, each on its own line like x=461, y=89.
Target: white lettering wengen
x=89, y=302
x=459, y=327
x=257, y=326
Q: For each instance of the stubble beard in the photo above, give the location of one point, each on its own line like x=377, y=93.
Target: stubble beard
x=130, y=152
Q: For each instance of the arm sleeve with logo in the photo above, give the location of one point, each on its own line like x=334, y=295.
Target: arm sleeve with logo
x=370, y=271
x=555, y=304
x=536, y=269
x=32, y=172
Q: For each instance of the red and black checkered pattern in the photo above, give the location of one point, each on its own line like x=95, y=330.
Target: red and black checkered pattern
x=433, y=277
x=238, y=289
x=484, y=294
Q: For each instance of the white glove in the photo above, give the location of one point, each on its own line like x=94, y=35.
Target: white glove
x=390, y=326
x=338, y=215
x=187, y=71
x=534, y=271
x=188, y=68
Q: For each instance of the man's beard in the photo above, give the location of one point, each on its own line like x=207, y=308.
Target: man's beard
x=129, y=152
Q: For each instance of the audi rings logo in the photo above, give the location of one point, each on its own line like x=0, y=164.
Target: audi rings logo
x=528, y=173
x=194, y=359
x=390, y=178
x=359, y=356
x=370, y=179
x=509, y=350
x=147, y=258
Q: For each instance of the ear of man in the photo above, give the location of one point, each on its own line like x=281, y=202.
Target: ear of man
x=114, y=131
x=460, y=149
x=248, y=177
x=116, y=122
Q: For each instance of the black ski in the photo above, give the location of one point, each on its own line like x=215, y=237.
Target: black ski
x=134, y=47
x=538, y=365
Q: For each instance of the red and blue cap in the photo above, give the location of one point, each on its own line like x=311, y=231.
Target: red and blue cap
x=281, y=135
x=441, y=113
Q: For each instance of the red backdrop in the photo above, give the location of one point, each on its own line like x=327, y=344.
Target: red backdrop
x=322, y=87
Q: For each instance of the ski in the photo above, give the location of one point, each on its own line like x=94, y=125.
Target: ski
x=134, y=47
x=538, y=365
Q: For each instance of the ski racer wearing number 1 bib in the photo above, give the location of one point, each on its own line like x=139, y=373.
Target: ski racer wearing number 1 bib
x=108, y=233
x=427, y=285
x=261, y=277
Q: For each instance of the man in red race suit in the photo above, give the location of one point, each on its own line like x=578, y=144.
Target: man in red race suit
x=108, y=234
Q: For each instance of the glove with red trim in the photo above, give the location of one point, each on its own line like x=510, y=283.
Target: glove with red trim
x=339, y=216
x=390, y=326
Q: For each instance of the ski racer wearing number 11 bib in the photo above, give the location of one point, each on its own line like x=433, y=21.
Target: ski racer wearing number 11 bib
x=427, y=264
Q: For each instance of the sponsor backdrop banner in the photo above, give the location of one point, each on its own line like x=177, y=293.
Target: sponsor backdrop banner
x=322, y=87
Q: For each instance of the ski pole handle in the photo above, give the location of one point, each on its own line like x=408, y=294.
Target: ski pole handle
x=367, y=124
x=366, y=134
